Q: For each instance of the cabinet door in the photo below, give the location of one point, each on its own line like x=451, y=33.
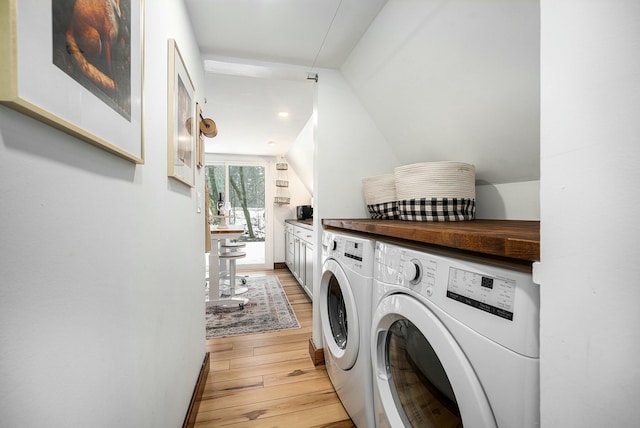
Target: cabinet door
x=308, y=269
x=297, y=246
x=288, y=252
x=303, y=260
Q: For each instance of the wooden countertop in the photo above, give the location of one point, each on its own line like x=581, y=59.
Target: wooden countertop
x=230, y=229
x=514, y=239
x=308, y=223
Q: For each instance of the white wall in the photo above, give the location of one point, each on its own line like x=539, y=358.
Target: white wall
x=348, y=148
x=590, y=376
x=299, y=196
x=455, y=80
x=508, y=201
x=101, y=303
x=300, y=155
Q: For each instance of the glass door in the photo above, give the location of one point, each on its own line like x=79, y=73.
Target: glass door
x=422, y=376
x=339, y=316
x=419, y=384
x=242, y=188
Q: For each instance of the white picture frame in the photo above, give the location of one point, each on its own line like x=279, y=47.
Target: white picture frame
x=181, y=119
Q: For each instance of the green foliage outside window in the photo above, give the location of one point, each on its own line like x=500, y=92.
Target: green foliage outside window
x=246, y=193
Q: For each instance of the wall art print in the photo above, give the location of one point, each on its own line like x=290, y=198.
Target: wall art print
x=77, y=65
x=181, y=119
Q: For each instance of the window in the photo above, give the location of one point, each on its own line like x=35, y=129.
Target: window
x=242, y=187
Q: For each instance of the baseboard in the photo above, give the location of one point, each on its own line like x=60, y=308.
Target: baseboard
x=280, y=265
x=316, y=354
x=196, y=398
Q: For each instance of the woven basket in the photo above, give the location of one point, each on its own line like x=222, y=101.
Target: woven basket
x=436, y=191
x=380, y=196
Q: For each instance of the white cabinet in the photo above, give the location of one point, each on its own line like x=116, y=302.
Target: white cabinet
x=299, y=255
x=308, y=269
x=289, y=246
x=297, y=247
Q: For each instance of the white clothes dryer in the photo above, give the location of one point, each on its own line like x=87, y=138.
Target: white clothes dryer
x=345, y=313
x=454, y=340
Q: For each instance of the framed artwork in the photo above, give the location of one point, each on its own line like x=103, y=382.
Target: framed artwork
x=181, y=119
x=199, y=138
x=77, y=66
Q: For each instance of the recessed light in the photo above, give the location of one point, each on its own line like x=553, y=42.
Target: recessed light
x=283, y=114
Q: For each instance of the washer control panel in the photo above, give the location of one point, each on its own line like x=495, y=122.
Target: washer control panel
x=494, y=295
x=419, y=275
x=496, y=300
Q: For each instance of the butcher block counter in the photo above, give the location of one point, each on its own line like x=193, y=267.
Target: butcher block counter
x=514, y=239
x=308, y=223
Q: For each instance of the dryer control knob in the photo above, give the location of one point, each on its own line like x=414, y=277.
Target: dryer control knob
x=410, y=271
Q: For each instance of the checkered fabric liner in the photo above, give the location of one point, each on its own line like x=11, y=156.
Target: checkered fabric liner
x=437, y=209
x=384, y=211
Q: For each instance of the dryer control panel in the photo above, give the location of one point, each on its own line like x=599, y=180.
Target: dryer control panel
x=353, y=249
x=352, y=252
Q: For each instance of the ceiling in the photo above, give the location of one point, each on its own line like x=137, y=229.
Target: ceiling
x=260, y=56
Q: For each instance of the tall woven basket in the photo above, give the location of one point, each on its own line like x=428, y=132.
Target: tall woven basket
x=436, y=191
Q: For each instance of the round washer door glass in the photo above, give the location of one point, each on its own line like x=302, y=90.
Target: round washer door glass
x=337, y=312
x=419, y=384
x=338, y=315
x=422, y=377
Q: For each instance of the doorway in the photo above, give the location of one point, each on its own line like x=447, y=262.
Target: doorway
x=242, y=186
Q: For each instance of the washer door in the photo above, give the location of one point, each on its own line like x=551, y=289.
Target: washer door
x=422, y=377
x=338, y=315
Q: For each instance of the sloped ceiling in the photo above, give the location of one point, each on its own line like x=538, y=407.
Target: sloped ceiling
x=246, y=109
x=455, y=80
x=442, y=79
x=270, y=48
x=298, y=32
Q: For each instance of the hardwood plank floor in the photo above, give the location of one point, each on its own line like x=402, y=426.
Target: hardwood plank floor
x=268, y=379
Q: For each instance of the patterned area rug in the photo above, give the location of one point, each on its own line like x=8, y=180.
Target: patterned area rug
x=268, y=310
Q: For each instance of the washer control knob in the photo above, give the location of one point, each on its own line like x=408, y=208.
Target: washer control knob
x=333, y=245
x=429, y=291
x=410, y=271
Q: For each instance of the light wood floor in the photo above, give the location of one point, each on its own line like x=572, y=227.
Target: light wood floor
x=268, y=379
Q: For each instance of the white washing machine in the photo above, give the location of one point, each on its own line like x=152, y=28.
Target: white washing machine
x=345, y=313
x=454, y=341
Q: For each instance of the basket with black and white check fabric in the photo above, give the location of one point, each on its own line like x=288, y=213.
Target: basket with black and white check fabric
x=384, y=211
x=437, y=209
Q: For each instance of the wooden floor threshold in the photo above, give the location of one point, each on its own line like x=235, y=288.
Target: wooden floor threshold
x=316, y=354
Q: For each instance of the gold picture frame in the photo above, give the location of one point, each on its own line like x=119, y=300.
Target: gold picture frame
x=182, y=120
x=49, y=72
